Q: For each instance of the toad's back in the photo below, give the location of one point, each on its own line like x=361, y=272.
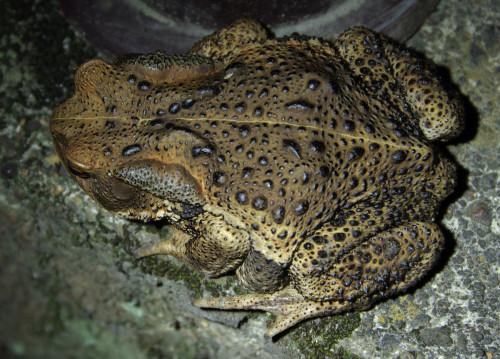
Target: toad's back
x=281, y=158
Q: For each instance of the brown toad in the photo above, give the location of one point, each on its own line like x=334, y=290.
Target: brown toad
x=305, y=166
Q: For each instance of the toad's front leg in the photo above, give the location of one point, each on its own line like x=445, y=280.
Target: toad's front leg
x=217, y=248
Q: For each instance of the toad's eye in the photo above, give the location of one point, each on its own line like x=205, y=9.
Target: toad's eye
x=78, y=171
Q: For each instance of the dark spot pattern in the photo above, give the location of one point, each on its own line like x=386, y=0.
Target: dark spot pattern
x=293, y=147
x=174, y=108
x=219, y=178
x=131, y=150
x=259, y=203
x=316, y=156
x=242, y=197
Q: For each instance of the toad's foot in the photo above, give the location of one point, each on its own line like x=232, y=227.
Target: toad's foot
x=288, y=305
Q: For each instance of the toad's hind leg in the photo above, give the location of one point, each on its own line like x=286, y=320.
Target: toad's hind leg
x=386, y=264
x=386, y=66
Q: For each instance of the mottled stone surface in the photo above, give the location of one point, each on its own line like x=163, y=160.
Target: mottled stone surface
x=70, y=285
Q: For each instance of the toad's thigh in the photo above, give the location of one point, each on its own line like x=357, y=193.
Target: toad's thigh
x=387, y=263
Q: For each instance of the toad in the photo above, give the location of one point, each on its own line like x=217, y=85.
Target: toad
x=306, y=167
